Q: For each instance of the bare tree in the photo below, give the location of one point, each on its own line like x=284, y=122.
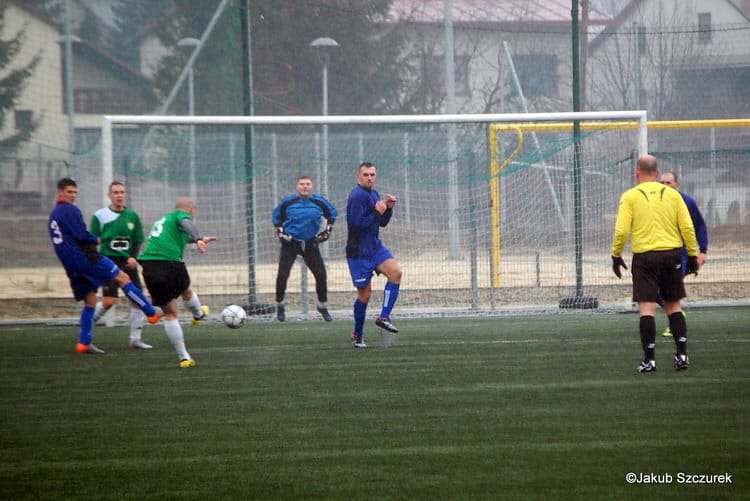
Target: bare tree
x=633, y=66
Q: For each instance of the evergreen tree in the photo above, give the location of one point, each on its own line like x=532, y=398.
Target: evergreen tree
x=367, y=72
x=12, y=82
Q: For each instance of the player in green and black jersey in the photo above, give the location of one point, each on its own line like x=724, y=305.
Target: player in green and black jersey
x=120, y=238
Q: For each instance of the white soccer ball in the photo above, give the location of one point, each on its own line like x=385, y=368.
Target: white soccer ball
x=234, y=316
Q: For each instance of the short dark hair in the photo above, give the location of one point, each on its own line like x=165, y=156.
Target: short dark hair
x=674, y=175
x=365, y=165
x=65, y=182
x=115, y=183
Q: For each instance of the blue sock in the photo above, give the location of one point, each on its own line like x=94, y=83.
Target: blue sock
x=360, y=312
x=137, y=298
x=87, y=325
x=390, y=294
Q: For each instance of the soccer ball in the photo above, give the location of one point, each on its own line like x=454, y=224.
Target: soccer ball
x=234, y=316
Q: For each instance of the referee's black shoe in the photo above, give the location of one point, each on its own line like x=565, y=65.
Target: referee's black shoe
x=646, y=366
x=385, y=323
x=681, y=361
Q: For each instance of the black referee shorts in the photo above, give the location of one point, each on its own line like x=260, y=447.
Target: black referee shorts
x=166, y=280
x=658, y=272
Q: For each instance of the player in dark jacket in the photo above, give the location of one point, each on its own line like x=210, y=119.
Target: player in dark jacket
x=669, y=178
x=87, y=269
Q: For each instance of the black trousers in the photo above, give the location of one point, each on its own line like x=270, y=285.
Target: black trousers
x=314, y=261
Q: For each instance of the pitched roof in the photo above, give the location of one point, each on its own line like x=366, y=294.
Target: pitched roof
x=490, y=11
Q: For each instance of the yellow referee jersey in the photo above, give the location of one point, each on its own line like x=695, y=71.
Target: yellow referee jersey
x=656, y=218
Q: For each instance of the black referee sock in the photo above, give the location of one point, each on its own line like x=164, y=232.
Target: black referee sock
x=678, y=326
x=648, y=337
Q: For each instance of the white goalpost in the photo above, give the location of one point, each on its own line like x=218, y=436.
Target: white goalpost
x=499, y=223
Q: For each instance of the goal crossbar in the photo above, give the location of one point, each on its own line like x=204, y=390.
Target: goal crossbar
x=109, y=120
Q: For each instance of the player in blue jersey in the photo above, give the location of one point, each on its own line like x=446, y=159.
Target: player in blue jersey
x=669, y=178
x=366, y=213
x=298, y=219
x=87, y=269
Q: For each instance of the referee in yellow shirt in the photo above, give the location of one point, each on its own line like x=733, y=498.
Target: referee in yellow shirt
x=657, y=221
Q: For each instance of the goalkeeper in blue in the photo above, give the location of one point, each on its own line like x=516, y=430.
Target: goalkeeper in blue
x=87, y=269
x=366, y=213
x=298, y=220
x=669, y=178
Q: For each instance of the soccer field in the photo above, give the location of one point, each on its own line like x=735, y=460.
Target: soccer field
x=529, y=407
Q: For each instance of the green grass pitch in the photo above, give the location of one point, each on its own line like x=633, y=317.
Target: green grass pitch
x=532, y=407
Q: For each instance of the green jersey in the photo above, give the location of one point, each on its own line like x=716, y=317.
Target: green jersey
x=167, y=239
x=118, y=232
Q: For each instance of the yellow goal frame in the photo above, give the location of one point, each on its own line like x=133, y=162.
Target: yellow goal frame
x=497, y=167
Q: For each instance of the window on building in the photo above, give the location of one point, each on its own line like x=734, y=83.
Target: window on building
x=23, y=119
x=434, y=73
x=704, y=27
x=537, y=74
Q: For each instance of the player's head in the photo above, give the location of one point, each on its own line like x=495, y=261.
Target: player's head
x=646, y=168
x=65, y=182
x=67, y=190
x=187, y=204
x=669, y=178
x=366, y=175
x=304, y=186
x=117, y=194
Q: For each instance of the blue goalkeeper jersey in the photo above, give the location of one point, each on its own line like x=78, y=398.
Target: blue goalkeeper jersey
x=300, y=217
x=701, y=231
x=364, y=223
x=72, y=242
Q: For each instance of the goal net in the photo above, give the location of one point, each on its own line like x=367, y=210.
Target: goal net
x=494, y=211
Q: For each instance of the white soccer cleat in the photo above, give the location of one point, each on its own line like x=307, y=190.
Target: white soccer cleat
x=137, y=344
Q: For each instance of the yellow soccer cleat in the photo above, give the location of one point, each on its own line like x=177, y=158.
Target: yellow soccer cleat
x=206, y=310
x=187, y=363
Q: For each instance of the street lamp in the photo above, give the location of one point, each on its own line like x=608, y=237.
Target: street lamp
x=67, y=42
x=191, y=42
x=323, y=45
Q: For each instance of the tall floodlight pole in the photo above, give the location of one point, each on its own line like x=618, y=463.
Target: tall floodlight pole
x=324, y=45
x=454, y=247
x=192, y=43
x=577, y=202
x=68, y=40
x=247, y=81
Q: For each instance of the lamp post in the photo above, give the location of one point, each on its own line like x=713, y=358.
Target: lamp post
x=324, y=45
x=67, y=40
x=191, y=42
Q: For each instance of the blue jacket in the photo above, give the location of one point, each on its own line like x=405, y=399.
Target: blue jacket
x=74, y=245
x=364, y=223
x=300, y=217
x=701, y=231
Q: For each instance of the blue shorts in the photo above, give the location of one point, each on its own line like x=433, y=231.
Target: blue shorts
x=361, y=270
x=86, y=279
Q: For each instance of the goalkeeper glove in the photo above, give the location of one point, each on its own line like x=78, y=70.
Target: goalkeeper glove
x=283, y=236
x=617, y=262
x=692, y=266
x=324, y=235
